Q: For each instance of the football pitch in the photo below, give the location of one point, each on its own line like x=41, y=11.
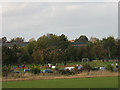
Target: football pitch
x=99, y=82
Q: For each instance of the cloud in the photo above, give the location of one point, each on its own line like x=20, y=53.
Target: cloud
x=73, y=19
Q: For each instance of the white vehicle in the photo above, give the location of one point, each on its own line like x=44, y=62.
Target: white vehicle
x=69, y=68
x=102, y=68
x=25, y=70
x=53, y=66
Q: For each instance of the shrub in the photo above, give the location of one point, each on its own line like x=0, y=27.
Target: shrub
x=65, y=72
x=76, y=70
x=97, y=63
x=5, y=72
x=35, y=70
x=109, y=67
x=87, y=67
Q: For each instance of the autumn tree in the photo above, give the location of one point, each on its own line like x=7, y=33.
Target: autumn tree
x=18, y=39
x=82, y=38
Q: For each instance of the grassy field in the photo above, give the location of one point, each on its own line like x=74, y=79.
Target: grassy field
x=100, y=82
x=68, y=63
x=60, y=65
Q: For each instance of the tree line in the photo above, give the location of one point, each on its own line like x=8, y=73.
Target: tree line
x=57, y=49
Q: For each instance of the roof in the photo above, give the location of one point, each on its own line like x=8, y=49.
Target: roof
x=22, y=44
x=17, y=43
x=78, y=43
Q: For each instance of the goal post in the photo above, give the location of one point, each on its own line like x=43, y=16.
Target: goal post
x=85, y=60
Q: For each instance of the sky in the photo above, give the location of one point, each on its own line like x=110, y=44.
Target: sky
x=32, y=20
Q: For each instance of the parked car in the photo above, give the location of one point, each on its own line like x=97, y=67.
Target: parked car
x=102, y=68
x=67, y=72
x=69, y=68
x=80, y=68
x=26, y=70
x=64, y=72
x=95, y=68
x=47, y=71
x=15, y=72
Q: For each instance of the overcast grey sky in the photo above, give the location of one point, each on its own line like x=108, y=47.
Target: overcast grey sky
x=72, y=19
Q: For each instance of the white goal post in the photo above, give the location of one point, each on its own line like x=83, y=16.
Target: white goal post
x=85, y=60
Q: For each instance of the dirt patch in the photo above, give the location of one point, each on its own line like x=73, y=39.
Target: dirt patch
x=28, y=76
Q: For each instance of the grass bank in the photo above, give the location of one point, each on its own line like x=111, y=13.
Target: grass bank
x=97, y=82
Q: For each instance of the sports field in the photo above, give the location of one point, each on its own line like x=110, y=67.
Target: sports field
x=99, y=82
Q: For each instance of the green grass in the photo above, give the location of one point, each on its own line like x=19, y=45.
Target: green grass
x=101, y=82
x=68, y=63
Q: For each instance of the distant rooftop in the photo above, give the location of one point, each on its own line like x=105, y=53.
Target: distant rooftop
x=71, y=40
x=21, y=44
x=78, y=42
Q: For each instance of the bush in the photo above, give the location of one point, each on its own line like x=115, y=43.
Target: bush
x=76, y=70
x=5, y=72
x=65, y=72
x=35, y=70
x=87, y=67
x=109, y=67
x=97, y=63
